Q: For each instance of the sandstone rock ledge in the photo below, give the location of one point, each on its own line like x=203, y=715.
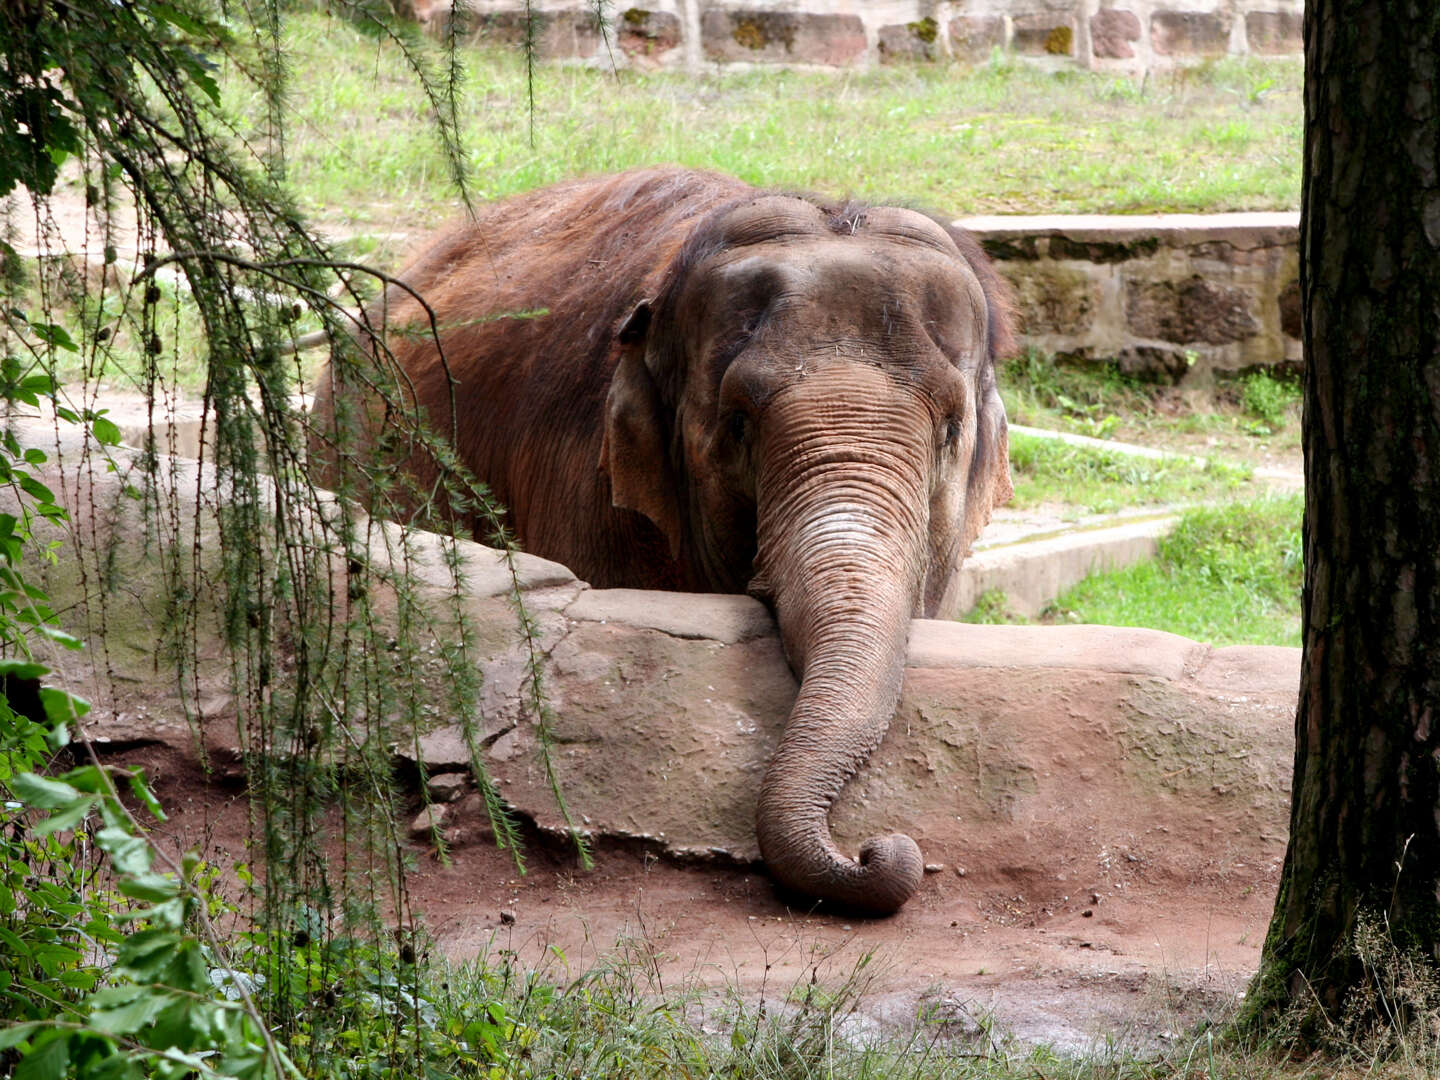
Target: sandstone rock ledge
x=1129, y=755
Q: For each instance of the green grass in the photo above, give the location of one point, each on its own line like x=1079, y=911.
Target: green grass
x=1235, y=417
x=1003, y=137
x=1268, y=399
x=1097, y=481
x=621, y=1020
x=1228, y=575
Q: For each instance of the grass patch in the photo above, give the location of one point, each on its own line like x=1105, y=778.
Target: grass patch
x=1002, y=137
x=1253, y=412
x=1098, y=481
x=622, y=1020
x=1228, y=575
x=1270, y=401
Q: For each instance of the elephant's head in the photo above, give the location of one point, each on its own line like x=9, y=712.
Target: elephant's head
x=807, y=409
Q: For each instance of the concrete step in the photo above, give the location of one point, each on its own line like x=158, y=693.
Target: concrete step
x=1033, y=556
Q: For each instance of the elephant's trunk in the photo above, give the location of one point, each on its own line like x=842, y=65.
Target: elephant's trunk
x=842, y=524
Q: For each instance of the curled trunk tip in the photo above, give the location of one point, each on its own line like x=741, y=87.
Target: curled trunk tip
x=892, y=868
x=886, y=874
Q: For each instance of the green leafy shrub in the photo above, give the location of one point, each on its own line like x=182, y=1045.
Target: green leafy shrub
x=1268, y=399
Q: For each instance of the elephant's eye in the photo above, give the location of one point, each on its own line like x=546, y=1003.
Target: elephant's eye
x=738, y=425
x=952, y=433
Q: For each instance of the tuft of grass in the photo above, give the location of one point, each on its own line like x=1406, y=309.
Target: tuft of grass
x=1099, y=481
x=1228, y=575
x=1268, y=399
x=1087, y=399
x=992, y=608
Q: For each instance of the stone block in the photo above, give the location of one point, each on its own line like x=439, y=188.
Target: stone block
x=1275, y=33
x=645, y=34
x=1007, y=247
x=917, y=40
x=1111, y=34
x=1190, y=310
x=1103, y=251
x=783, y=37
x=1044, y=34
x=1166, y=364
x=973, y=37
x=1190, y=33
x=1053, y=299
x=561, y=35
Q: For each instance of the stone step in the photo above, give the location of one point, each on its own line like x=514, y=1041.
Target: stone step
x=1033, y=556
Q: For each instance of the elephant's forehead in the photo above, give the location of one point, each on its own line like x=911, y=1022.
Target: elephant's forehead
x=786, y=218
x=828, y=262
x=770, y=218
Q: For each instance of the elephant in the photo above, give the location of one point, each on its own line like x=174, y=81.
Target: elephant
x=731, y=390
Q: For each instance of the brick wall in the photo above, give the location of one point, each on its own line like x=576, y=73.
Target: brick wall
x=1106, y=35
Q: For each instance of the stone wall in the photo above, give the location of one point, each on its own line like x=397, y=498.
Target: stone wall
x=667, y=706
x=1110, y=35
x=1175, y=297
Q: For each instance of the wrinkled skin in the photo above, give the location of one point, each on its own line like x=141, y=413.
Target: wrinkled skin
x=799, y=402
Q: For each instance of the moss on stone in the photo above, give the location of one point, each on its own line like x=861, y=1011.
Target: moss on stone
x=758, y=29
x=635, y=16
x=749, y=34
x=925, y=29
x=1059, y=41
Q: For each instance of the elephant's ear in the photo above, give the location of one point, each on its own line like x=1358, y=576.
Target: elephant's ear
x=990, y=485
x=637, y=435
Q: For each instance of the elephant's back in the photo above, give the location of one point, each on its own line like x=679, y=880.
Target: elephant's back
x=526, y=297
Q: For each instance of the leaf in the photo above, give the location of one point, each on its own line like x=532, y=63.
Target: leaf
x=61, y=706
x=38, y=791
x=195, y=66
x=89, y=778
x=130, y=854
x=35, y=489
x=70, y=641
x=140, y=788
x=38, y=384
x=150, y=887
x=15, y=1034
x=145, y=952
x=54, y=334
x=133, y=1015
x=22, y=669
x=181, y=20
x=105, y=430
x=47, y=1062
x=65, y=818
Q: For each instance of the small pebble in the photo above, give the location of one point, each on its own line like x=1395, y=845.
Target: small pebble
x=934, y=867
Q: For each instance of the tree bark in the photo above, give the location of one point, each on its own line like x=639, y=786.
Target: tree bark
x=1365, y=813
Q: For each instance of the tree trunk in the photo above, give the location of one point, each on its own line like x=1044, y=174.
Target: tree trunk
x=1365, y=814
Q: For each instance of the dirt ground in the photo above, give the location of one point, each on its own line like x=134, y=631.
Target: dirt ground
x=996, y=952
